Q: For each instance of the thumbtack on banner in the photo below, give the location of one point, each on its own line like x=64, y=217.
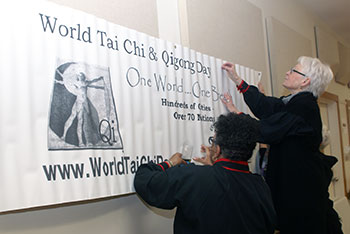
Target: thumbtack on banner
x=259, y=76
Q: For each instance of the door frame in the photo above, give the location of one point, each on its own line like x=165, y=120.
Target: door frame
x=329, y=98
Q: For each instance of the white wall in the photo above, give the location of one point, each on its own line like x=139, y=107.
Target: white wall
x=167, y=19
x=125, y=215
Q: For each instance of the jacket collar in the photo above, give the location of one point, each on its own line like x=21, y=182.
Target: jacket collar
x=232, y=165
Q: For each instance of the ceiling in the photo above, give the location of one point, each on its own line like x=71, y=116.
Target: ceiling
x=335, y=13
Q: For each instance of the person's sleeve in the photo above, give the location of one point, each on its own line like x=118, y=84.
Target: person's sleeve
x=155, y=186
x=260, y=105
x=283, y=124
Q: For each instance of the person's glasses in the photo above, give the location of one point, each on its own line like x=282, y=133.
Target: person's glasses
x=293, y=70
x=211, y=140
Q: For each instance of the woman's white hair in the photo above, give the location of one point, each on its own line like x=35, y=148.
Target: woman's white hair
x=320, y=74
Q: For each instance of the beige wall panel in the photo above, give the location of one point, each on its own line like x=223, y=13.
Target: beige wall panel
x=327, y=48
x=286, y=45
x=140, y=15
x=230, y=30
x=343, y=74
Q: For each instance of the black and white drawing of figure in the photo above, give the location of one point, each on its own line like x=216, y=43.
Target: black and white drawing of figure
x=82, y=113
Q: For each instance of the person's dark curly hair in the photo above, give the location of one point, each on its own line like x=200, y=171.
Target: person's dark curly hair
x=236, y=134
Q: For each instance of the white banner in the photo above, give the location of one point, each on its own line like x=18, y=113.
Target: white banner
x=84, y=102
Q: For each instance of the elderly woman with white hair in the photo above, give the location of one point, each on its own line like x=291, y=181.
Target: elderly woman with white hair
x=292, y=127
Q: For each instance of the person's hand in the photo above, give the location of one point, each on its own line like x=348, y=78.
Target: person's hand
x=207, y=160
x=261, y=88
x=176, y=159
x=231, y=72
x=227, y=101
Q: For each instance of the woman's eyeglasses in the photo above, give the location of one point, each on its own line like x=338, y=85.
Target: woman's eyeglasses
x=293, y=70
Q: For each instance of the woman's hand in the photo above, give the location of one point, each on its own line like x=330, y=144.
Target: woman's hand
x=227, y=101
x=207, y=160
x=176, y=159
x=261, y=88
x=231, y=72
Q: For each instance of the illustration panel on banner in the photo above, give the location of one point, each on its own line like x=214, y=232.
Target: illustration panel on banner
x=82, y=109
